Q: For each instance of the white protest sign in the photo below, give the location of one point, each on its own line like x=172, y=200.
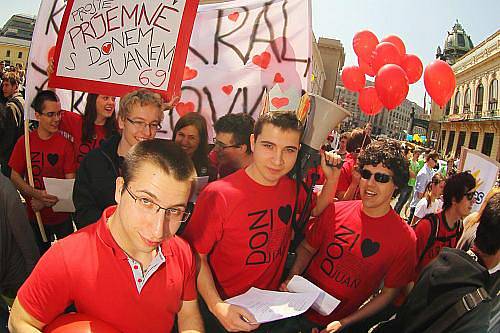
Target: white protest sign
x=484, y=170
x=114, y=46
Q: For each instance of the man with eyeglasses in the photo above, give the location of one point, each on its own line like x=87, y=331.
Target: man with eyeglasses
x=52, y=156
x=128, y=269
x=139, y=118
x=424, y=177
x=444, y=229
x=355, y=246
x=232, y=149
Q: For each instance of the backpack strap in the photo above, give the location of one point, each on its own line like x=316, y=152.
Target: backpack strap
x=465, y=304
x=432, y=218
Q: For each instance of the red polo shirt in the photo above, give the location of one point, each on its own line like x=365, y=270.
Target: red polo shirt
x=89, y=269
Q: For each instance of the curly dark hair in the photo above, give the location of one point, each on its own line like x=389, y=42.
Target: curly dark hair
x=391, y=157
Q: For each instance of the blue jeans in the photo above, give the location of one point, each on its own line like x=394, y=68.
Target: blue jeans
x=403, y=198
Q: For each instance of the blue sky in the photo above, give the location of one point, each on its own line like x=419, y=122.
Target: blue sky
x=421, y=24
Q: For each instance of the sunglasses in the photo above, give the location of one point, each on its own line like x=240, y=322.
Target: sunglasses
x=379, y=177
x=470, y=195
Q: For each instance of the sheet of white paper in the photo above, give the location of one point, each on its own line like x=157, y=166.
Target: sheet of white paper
x=324, y=304
x=268, y=305
x=199, y=185
x=62, y=189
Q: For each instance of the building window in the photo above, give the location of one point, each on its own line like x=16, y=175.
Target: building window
x=443, y=137
x=473, y=140
x=467, y=101
x=479, y=99
x=457, y=102
x=493, y=95
x=7, y=54
x=461, y=40
x=487, y=143
x=461, y=140
x=450, y=142
x=20, y=55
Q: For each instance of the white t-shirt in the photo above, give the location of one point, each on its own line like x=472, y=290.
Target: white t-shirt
x=421, y=210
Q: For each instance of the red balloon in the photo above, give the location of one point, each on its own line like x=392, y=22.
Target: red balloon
x=78, y=323
x=368, y=101
x=398, y=42
x=366, y=67
x=385, y=53
x=413, y=67
x=392, y=85
x=353, y=78
x=363, y=43
x=439, y=81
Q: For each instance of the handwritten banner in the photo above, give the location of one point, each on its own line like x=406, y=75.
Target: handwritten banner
x=484, y=170
x=237, y=50
x=114, y=46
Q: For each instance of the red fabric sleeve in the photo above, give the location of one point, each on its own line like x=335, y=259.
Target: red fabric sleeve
x=204, y=228
x=190, y=292
x=402, y=269
x=18, y=158
x=345, y=177
x=69, y=158
x=423, y=232
x=46, y=293
x=317, y=227
x=71, y=123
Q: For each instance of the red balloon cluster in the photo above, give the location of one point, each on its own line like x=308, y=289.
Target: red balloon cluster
x=387, y=61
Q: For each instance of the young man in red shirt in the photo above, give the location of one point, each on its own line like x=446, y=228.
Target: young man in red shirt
x=444, y=229
x=355, y=246
x=242, y=224
x=128, y=269
x=51, y=156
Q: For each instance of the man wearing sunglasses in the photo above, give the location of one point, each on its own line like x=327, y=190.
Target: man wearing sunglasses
x=232, y=149
x=52, y=156
x=355, y=246
x=424, y=177
x=139, y=118
x=128, y=269
x=444, y=229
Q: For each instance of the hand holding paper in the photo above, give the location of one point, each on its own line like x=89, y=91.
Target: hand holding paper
x=63, y=190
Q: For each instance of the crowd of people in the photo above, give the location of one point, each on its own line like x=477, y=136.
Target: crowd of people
x=138, y=255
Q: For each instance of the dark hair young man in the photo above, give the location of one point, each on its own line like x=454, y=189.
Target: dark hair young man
x=356, y=245
x=242, y=224
x=445, y=228
x=128, y=269
x=424, y=177
x=232, y=149
x=139, y=118
x=51, y=156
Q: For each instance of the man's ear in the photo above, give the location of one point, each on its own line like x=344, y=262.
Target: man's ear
x=121, y=123
x=252, y=142
x=119, y=187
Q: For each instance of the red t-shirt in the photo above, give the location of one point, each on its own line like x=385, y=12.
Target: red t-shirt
x=356, y=253
x=446, y=238
x=91, y=270
x=52, y=158
x=345, y=177
x=71, y=127
x=245, y=228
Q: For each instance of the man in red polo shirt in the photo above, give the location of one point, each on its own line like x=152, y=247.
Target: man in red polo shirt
x=128, y=269
x=242, y=224
x=355, y=246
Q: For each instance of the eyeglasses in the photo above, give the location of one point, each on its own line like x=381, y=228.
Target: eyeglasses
x=143, y=125
x=470, y=195
x=173, y=214
x=222, y=145
x=52, y=114
x=379, y=177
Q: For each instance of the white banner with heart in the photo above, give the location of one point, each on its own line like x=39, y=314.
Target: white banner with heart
x=237, y=50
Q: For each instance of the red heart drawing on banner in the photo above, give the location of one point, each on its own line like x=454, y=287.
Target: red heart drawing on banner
x=279, y=102
x=234, y=16
x=106, y=48
x=278, y=78
x=262, y=60
x=184, y=108
x=227, y=89
x=189, y=73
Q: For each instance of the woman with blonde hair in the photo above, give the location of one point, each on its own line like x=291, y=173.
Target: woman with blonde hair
x=471, y=223
x=431, y=201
